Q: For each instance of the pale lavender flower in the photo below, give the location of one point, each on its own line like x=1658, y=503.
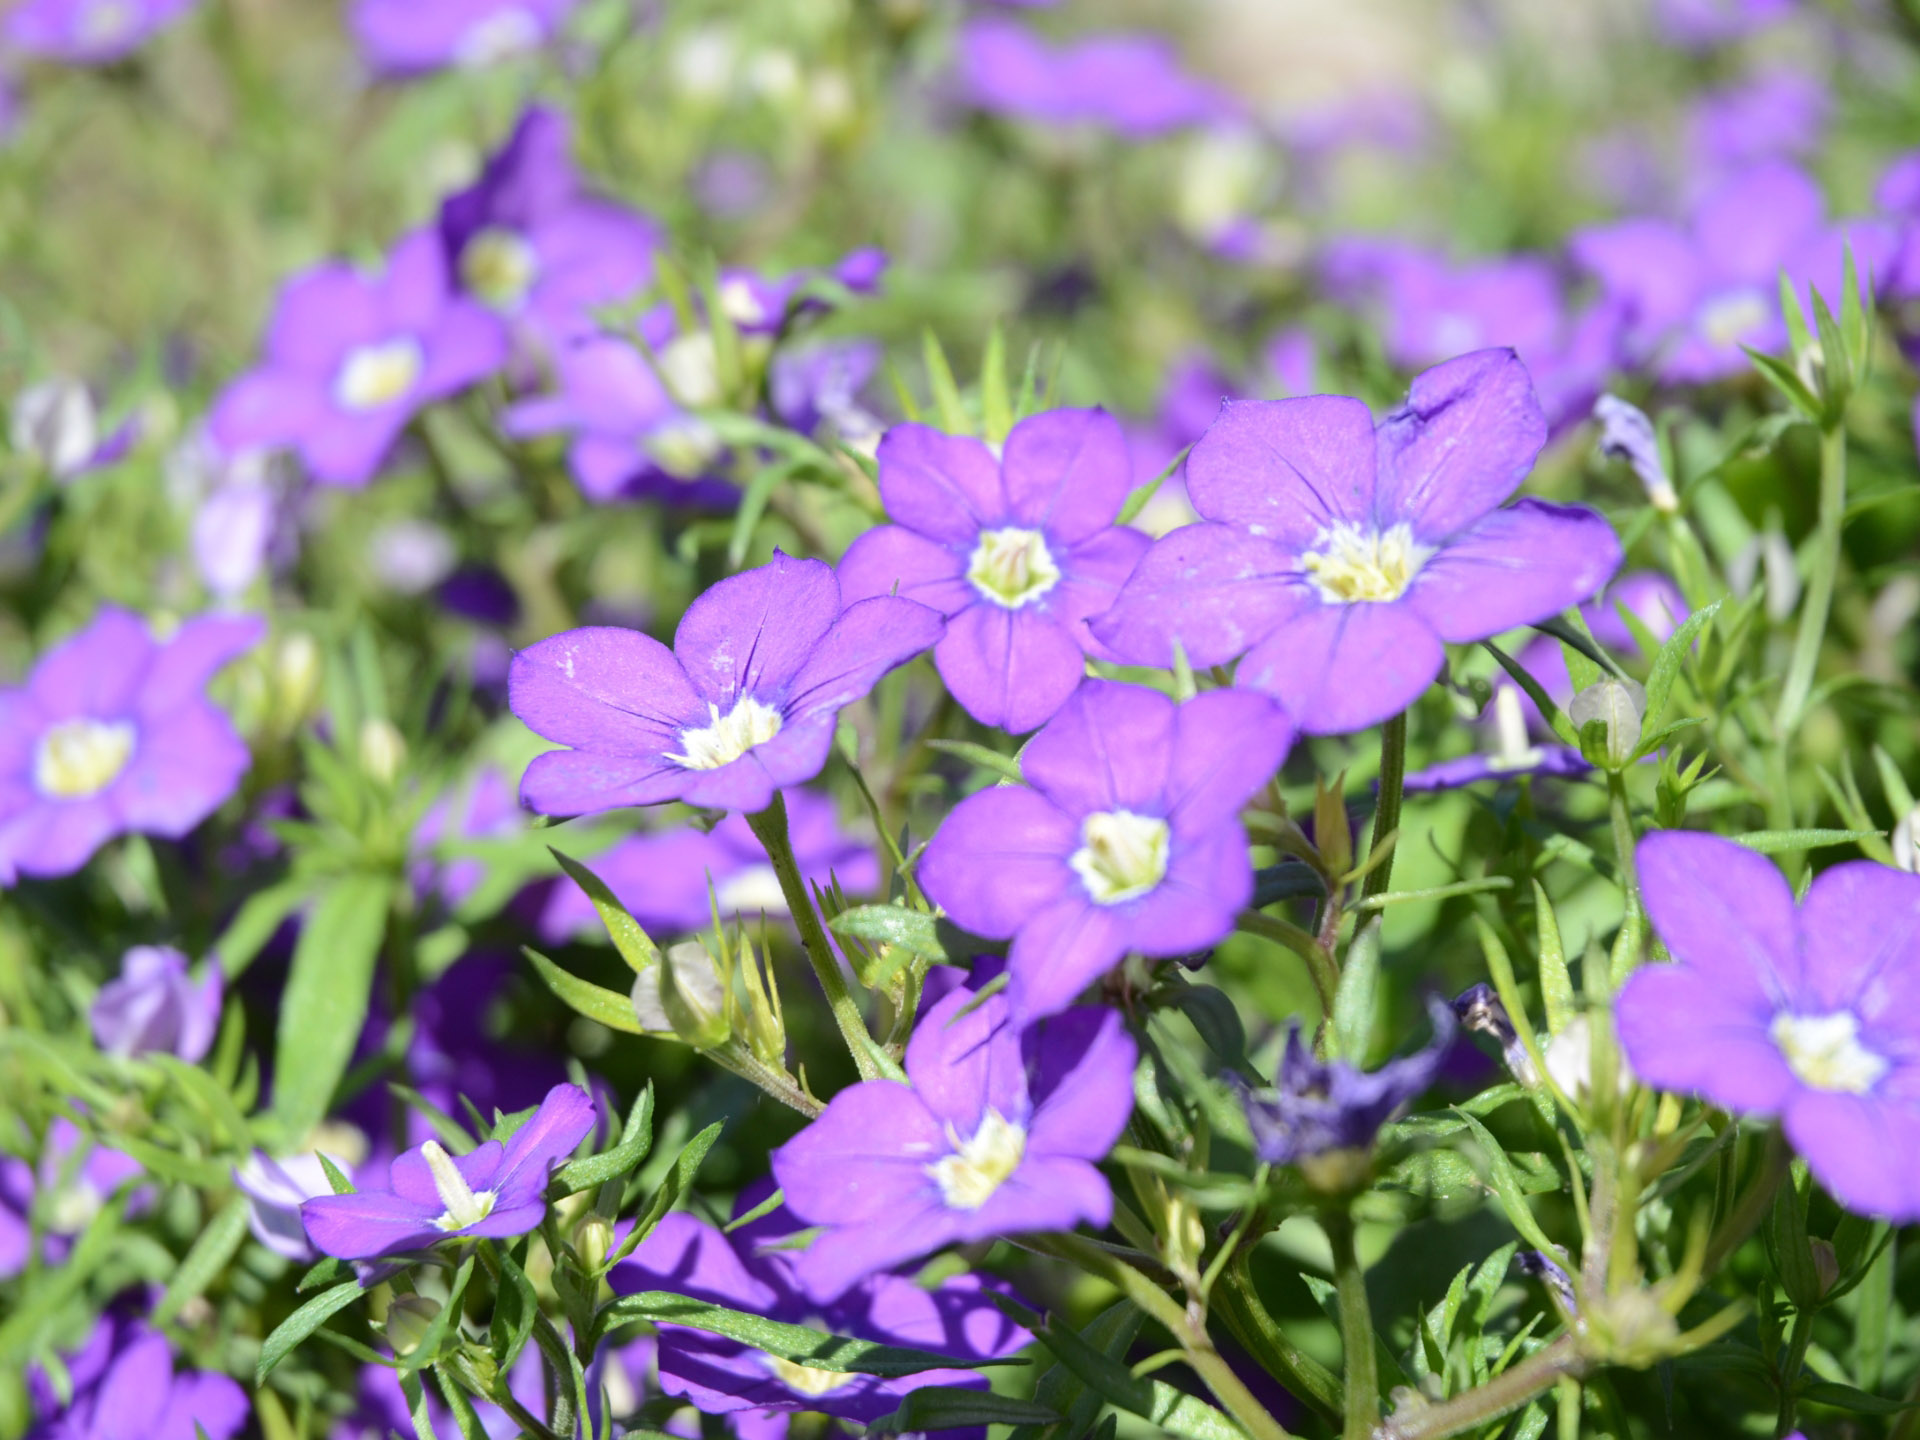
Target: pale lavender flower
x=409, y=37
x=157, y=1005
x=1132, y=84
x=88, y=32
x=1701, y=24
x=276, y=1188
x=65, y=1190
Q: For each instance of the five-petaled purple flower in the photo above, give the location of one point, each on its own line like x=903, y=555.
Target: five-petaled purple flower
x=1808, y=1012
x=409, y=37
x=744, y=704
x=351, y=358
x=1018, y=552
x=156, y=1005
x=1341, y=556
x=121, y=1382
x=492, y=1191
x=113, y=734
x=88, y=32
x=746, y=1270
x=1128, y=839
x=528, y=242
x=997, y=1134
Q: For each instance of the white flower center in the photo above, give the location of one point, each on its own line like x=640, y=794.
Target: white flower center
x=78, y=758
x=1826, y=1053
x=1730, y=318
x=464, y=1207
x=498, y=267
x=740, y=303
x=727, y=737
x=685, y=447
x=379, y=374
x=754, y=889
x=1012, y=567
x=690, y=369
x=980, y=1164
x=806, y=1379
x=511, y=32
x=1121, y=855
x=1354, y=565
x=105, y=21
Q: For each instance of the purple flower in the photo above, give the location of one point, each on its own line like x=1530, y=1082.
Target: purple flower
x=1341, y=555
x=351, y=358
x=482, y=809
x=88, y=32
x=154, y=1005
x=995, y=1135
x=662, y=877
x=113, y=734
x=275, y=1191
x=1132, y=84
x=743, y=704
x=819, y=385
x=763, y=305
x=1695, y=293
x=492, y=1191
x=1700, y=24
x=1808, y=1012
x=1128, y=839
x=744, y=1271
x=1018, y=553
x=408, y=37
x=73, y=1179
x=123, y=1384
x=1777, y=115
x=528, y=242
x=1321, y=1105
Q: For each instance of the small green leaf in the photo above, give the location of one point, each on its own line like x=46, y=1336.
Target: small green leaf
x=635, y=1141
x=996, y=401
x=1777, y=842
x=930, y=937
x=980, y=757
x=324, y=1008
x=948, y=1407
x=1508, y=1189
x=679, y=1180
x=610, y=1008
x=1542, y=701
x=636, y=947
x=209, y=1255
x=1353, y=1002
x=1673, y=654
x=1141, y=495
x=260, y=915
x=302, y=1323
x=946, y=395
x=1556, y=983
x=1846, y=1397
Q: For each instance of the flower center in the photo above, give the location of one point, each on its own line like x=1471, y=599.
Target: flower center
x=498, y=267
x=1121, y=855
x=464, y=1207
x=78, y=758
x=1826, y=1053
x=980, y=1164
x=1730, y=318
x=377, y=374
x=755, y=888
x=685, y=448
x=1355, y=565
x=105, y=21
x=740, y=302
x=511, y=32
x=1012, y=567
x=727, y=737
x=690, y=369
x=806, y=1379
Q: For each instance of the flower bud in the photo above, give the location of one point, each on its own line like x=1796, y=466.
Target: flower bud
x=54, y=423
x=408, y=1319
x=382, y=750
x=1607, y=714
x=683, y=996
x=296, y=677
x=593, y=1240
x=1826, y=1264
x=1627, y=434
x=1569, y=1057
x=1479, y=1008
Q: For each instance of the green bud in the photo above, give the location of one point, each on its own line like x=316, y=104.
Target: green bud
x=382, y=750
x=1607, y=714
x=408, y=1319
x=683, y=996
x=593, y=1240
x=16, y=1413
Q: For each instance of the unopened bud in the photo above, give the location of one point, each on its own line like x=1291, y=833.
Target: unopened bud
x=1332, y=832
x=1607, y=714
x=593, y=1240
x=1569, y=1057
x=1826, y=1264
x=1627, y=434
x=683, y=996
x=408, y=1319
x=383, y=750
x=54, y=422
x=296, y=677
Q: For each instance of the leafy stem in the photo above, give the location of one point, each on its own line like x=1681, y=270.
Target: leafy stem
x=1826, y=568
x=1386, y=816
x=1356, y=1328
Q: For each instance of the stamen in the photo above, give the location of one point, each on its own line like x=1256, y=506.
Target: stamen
x=498, y=267
x=1122, y=855
x=728, y=736
x=78, y=758
x=464, y=1207
x=1012, y=567
x=1826, y=1053
x=980, y=1164
x=1354, y=565
x=375, y=375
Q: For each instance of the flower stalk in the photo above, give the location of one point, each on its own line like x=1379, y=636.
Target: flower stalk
x=1386, y=817
x=1362, y=1391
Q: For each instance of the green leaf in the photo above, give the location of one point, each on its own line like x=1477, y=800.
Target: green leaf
x=515, y=1308
x=1353, y=1001
x=1172, y=1410
x=324, y=1008
x=609, y=1007
x=996, y=402
x=931, y=937
x=948, y=1407
x=1556, y=983
x=980, y=757
x=210, y=1093
x=635, y=1141
x=1139, y=497
x=302, y=1323
x=434, y=1338
x=1837, y=371
x=260, y=915
x=1845, y=1397
x=1673, y=654
x=1542, y=701
x=946, y=395
x=1508, y=1189
x=1783, y=378
x=208, y=1256
x=679, y=1180
x=1213, y=1015
x=1776, y=842
x=636, y=947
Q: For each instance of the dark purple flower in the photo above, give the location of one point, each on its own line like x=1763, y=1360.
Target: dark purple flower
x=1017, y=551
x=744, y=1271
x=1132, y=84
x=662, y=877
x=351, y=358
x=408, y=37
x=1128, y=839
x=113, y=734
x=123, y=1384
x=155, y=1005
x=530, y=243
x=1807, y=1012
x=1322, y=1105
x=996, y=1134
x=1695, y=293
x=88, y=32
x=744, y=704
x=816, y=386
x=1342, y=556
x=492, y=1191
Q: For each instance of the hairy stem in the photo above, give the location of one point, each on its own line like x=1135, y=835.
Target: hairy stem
x=1505, y=1392
x=1633, y=926
x=1791, y=1363
x=1356, y=1329
x=1826, y=567
x=1261, y=1336
x=1386, y=816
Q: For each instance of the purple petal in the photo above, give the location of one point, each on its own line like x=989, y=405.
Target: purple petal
x=751, y=633
x=1109, y=748
x=870, y=638
x=1683, y=1030
x=845, y=1255
x=348, y=448
x=997, y=858
x=1092, y=574
x=57, y=838
x=960, y=1067
x=1082, y=1083
x=1286, y=470
x=946, y=487
x=368, y=1224
x=1750, y=224
x=690, y=1257
x=604, y=688
x=135, y=1388
x=1062, y=948
x=863, y=1159
x=322, y=314
x=1214, y=589
x=564, y=1119
x=1861, y=1150
x=1046, y=1192
x=97, y=672
x=797, y=754
x=1650, y=265
x=1860, y=925
x=201, y=647
x=1226, y=745
x=1011, y=669
x=893, y=560
x=1066, y=472
x=585, y=782
x=466, y=344
x=268, y=408
x=214, y=1403
x=183, y=767
x=1517, y=566
x=1462, y=443
x=1724, y=910
x=1340, y=668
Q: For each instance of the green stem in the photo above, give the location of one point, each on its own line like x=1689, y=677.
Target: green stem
x=1826, y=567
x=1791, y=1363
x=1320, y=962
x=1356, y=1329
x=770, y=828
x=1262, y=1338
x=1752, y=1207
x=1633, y=925
x=1386, y=816
x=1507, y=1391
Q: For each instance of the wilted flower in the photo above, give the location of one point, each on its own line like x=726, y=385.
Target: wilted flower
x=155, y=1005
x=1342, y=555
x=113, y=734
x=1018, y=551
x=493, y=1190
x=1806, y=1012
x=351, y=358
x=995, y=1135
x=1128, y=839
x=407, y=37
x=743, y=704
x=122, y=1382
x=1479, y=1009
x=88, y=32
